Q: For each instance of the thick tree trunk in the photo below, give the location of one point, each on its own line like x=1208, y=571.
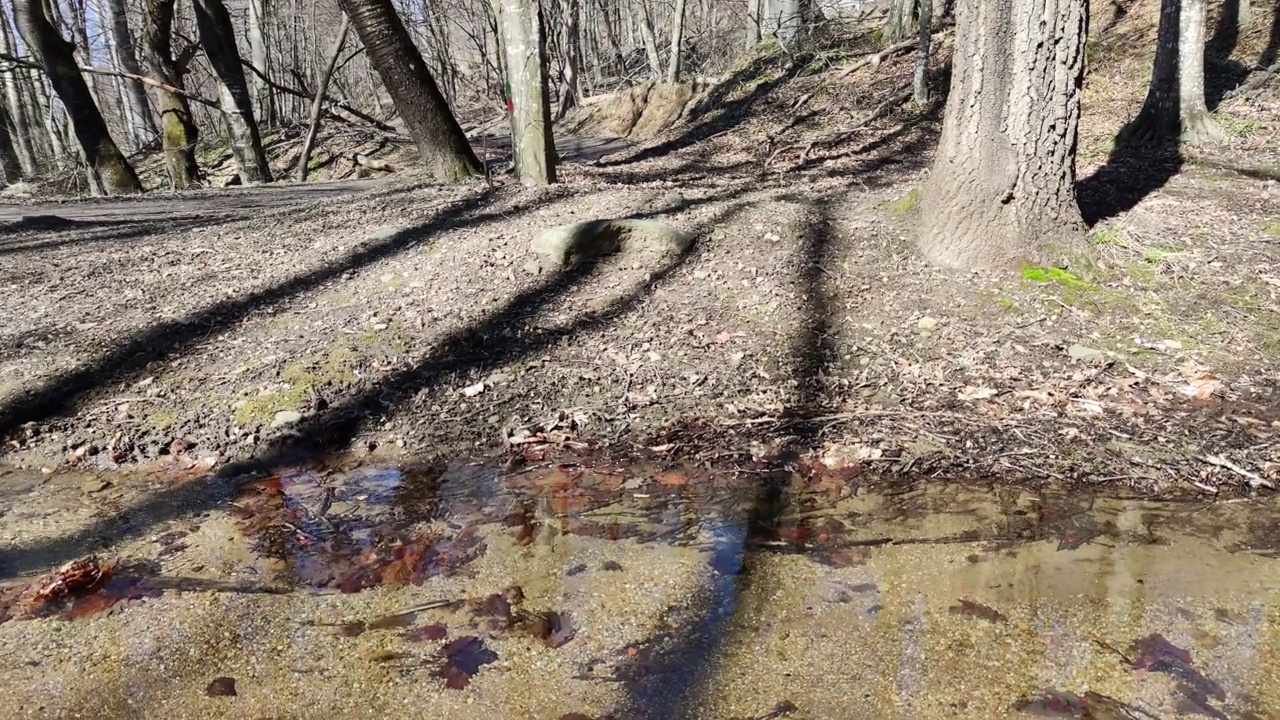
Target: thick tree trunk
x=127, y=60
x=179, y=131
x=218, y=37
x=524, y=40
x=317, y=103
x=1175, y=107
x=261, y=59
x=788, y=18
x=677, y=41
x=101, y=154
x=920, y=81
x=444, y=148
x=24, y=140
x=10, y=165
x=900, y=21
x=1002, y=189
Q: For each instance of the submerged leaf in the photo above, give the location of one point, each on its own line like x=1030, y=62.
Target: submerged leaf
x=462, y=659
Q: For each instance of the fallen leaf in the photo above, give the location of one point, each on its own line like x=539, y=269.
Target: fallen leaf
x=221, y=687
x=969, y=393
x=553, y=628
x=977, y=610
x=462, y=660
x=473, y=390
x=673, y=478
x=433, y=632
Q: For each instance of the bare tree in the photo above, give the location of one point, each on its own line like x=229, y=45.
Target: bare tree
x=261, y=59
x=317, y=104
x=524, y=40
x=1002, y=188
x=920, y=81
x=444, y=148
x=178, y=139
x=677, y=41
x=21, y=134
x=217, y=34
x=142, y=125
x=1175, y=107
x=107, y=166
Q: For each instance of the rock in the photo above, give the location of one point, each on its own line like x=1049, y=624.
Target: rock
x=1081, y=353
x=533, y=267
x=927, y=324
x=286, y=417
x=566, y=246
x=94, y=486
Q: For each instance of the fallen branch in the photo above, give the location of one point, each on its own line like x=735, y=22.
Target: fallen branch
x=308, y=96
x=1254, y=479
x=23, y=62
x=840, y=136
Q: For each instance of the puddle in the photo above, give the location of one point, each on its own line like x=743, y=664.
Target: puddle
x=561, y=585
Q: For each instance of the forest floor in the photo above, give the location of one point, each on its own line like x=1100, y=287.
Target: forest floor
x=405, y=318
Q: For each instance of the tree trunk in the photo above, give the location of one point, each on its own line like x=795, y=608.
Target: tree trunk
x=1175, y=107
x=524, y=41
x=1002, y=188
x=261, y=59
x=444, y=148
x=317, y=103
x=127, y=60
x=571, y=80
x=10, y=165
x=789, y=18
x=179, y=135
x=753, y=22
x=101, y=154
x=650, y=40
x=677, y=40
x=23, y=138
x=218, y=37
x=900, y=21
x=920, y=81
x=611, y=36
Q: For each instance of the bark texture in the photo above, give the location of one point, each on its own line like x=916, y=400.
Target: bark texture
x=899, y=22
x=920, y=80
x=261, y=59
x=1002, y=189
x=1175, y=107
x=524, y=41
x=23, y=138
x=218, y=37
x=677, y=42
x=144, y=127
x=441, y=142
x=101, y=154
x=178, y=128
x=10, y=166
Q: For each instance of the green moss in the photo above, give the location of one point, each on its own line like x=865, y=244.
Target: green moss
x=162, y=419
x=906, y=203
x=335, y=366
x=1272, y=229
x=1107, y=236
x=1007, y=303
x=1058, y=276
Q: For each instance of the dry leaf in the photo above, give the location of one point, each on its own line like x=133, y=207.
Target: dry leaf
x=969, y=393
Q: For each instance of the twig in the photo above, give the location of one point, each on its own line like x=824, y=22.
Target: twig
x=1255, y=480
x=21, y=62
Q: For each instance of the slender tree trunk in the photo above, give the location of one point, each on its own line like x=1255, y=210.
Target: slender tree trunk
x=571, y=80
x=753, y=22
x=179, y=135
x=524, y=40
x=650, y=40
x=1002, y=189
x=611, y=36
x=444, y=148
x=103, y=157
x=261, y=59
x=218, y=37
x=22, y=136
x=317, y=103
x=677, y=41
x=127, y=60
x=1175, y=107
x=920, y=82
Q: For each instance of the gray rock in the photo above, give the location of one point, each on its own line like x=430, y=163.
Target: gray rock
x=565, y=246
x=927, y=324
x=1081, y=353
x=286, y=417
x=94, y=486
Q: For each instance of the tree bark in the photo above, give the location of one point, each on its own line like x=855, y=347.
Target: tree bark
x=524, y=41
x=677, y=41
x=753, y=22
x=261, y=59
x=127, y=60
x=106, y=163
x=217, y=35
x=900, y=21
x=920, y=81
x=789, y=17
x=10, y=165
x=23, y=138
x=441, y=142
x=650, y=40
x=1002, y=189
x=1175, y=106
x=317, y=103
x=179, y=132
x=571, y=79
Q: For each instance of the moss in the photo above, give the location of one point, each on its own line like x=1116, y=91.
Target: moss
x=1272, y=229
x=162, y=418
x=1058, y=276
x=335, y=366
x=1107, y=236
x=1007, y=303
x=906, y=203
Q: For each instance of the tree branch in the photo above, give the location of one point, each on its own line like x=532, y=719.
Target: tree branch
x=23, y=62
x=307, y=96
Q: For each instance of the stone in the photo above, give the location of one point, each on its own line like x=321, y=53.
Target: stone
x=286, y=417
x=1081, y=353
x=927, y=324
x=565, y=246
x=94, y=486
x=533, y=267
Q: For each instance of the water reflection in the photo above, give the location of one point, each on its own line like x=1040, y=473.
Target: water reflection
x=544, y=586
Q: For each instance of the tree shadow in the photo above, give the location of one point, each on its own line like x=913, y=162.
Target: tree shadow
x=479, y=346
x=1130, y=174
x=166, y=339
x=1222, y=73
x=100, y=231
x=1272, y=49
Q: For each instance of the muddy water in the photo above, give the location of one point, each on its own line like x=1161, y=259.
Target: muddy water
x=570, y=587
